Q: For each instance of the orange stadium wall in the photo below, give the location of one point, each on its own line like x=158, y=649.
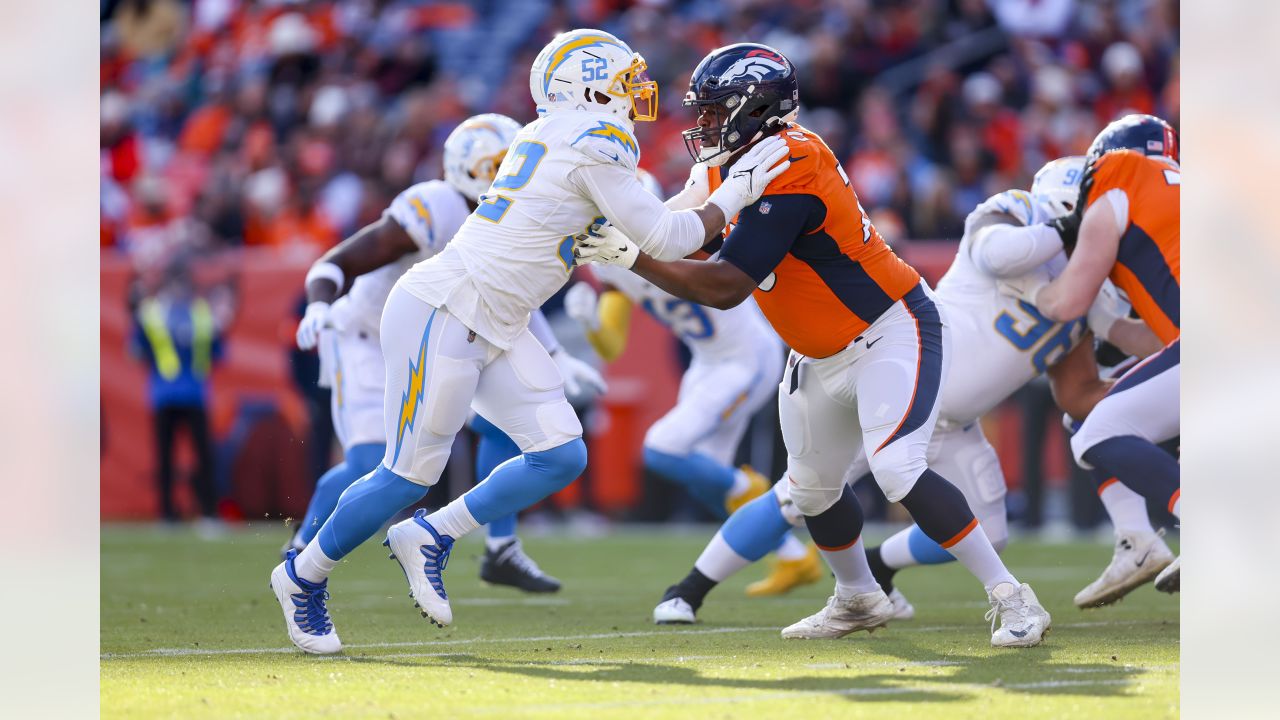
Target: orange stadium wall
x=268, y=474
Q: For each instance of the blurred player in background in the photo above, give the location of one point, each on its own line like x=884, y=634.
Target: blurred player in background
x=1125, y=227
x=867, y=339
x=344, y=326
x=455, y=329
x=998, y=345
x=737, y=362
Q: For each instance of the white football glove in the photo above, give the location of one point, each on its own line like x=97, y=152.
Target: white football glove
x=578, y=374
x=608, y=245
x=580, y=303
x=750, y=175
x=1026, y=287
x=698, y=186
x=315, y=320
x=1107, y=308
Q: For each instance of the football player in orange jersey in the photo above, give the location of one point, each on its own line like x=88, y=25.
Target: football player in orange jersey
x=868, y=346
x=1125, y=227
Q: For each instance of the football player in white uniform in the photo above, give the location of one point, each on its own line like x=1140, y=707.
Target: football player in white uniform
x=736, y=365
x=418, y=224
x=999, y=344
x=455, y=332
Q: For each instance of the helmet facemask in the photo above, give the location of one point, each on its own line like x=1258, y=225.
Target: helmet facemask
x=634, y=83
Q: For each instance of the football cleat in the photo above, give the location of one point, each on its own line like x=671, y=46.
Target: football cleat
x=1023, y=621
x=902, y=607
x=306, y=616
x=1169, y=580
x=509, y=565
x=674, y=611
x=294, y=544
x=844, y=615
x=1138, y=559
x=757, y=485
x=788, y=575
x=423, y=554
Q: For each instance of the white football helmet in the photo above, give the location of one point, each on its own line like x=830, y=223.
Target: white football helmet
x=591, y=70
x=474, y=150
x=1057, y=185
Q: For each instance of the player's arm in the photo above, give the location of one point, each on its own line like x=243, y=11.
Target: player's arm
x=1109, y=320
x=757, y=244
x=1074, y=380
x=379, y=243
x=1002, y=247
x=1071, y=294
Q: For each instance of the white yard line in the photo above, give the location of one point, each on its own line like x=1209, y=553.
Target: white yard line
x=188, y=652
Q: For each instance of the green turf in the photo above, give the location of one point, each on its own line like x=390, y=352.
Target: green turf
x=181, y=620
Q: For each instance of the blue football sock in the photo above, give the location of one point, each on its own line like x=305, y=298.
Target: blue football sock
x=757, y=528
x=1139, y=464
x=364, y=508
x=706, y=480
x=926, y=551
x=494, y=449
x=524, y=480
x=358, y=462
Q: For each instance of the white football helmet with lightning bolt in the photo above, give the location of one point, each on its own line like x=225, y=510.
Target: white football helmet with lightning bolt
x=593, y=71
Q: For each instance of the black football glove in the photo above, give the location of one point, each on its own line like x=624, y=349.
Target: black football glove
x=1068, y=226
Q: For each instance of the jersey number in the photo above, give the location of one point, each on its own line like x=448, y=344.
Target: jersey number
x=595, y=69
x=686, y=319
x=494, y=207
x=1049, y=339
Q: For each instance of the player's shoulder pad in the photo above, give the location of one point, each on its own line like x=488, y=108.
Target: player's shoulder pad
x=413, y=209
x=809, y=156
x=603, y=141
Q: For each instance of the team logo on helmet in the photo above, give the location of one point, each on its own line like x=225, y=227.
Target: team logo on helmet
x=755, y=64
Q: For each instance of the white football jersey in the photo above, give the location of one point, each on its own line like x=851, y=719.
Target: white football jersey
x=998, y=343
x=516, y=249
x=711, y=335
x=430, y=212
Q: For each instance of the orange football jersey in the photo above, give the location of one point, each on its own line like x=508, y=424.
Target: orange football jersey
x=1148, y=267
x=824, y=273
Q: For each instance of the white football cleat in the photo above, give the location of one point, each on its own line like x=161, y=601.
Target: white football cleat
x=305, y=615
x=1169, y=580
x=844, y=615
x=423, y=554
x=902, y=607
x=1023, y=621
x=674, y=612
x=1138, y=559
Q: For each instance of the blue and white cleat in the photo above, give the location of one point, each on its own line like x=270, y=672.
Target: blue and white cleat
x=423, y=554
x=305, y=615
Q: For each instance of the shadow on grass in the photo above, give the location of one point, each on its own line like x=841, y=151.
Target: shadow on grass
x=961, y=676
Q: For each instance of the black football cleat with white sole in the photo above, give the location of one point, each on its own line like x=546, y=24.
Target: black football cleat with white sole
x=509, y=565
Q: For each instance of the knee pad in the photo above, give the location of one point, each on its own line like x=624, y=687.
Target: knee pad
x=896, y=468
x=665, y=436
x=811, y=501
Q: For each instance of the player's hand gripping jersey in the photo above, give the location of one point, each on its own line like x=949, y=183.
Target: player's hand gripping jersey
x=823, y=270
x=564, y=173
x=1145, y=192
x=430, y=213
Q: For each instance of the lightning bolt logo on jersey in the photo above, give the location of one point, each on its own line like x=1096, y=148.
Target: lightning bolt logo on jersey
x=414, y=390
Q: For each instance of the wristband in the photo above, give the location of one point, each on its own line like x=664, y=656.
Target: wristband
x=327, y=271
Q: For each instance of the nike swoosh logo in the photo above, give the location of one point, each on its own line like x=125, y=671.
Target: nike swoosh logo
x=873, y=342
x=614, y=156
x=793, y=159
x=1142, y=559
x=1018, y=633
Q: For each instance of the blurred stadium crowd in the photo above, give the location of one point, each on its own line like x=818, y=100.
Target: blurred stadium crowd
x=288, y=124
x=293, y=122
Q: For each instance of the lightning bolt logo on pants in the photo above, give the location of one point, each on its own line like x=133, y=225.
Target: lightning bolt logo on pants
x=412, y=396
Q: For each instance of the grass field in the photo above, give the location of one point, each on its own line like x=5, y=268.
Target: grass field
x=190, y=630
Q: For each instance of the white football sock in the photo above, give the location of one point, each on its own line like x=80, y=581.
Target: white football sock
x=791, y=548
x=853, y=574
x=896, y=551
x=1127, y=509
x=313, y=565
x=718, y=561
x=454, y=519
x=974, y=551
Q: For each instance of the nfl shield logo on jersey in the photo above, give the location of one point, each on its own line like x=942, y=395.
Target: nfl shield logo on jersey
x=765, y=208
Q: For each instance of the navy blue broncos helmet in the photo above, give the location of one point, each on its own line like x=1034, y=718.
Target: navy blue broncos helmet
x=752, y=92
x=1146, y=134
